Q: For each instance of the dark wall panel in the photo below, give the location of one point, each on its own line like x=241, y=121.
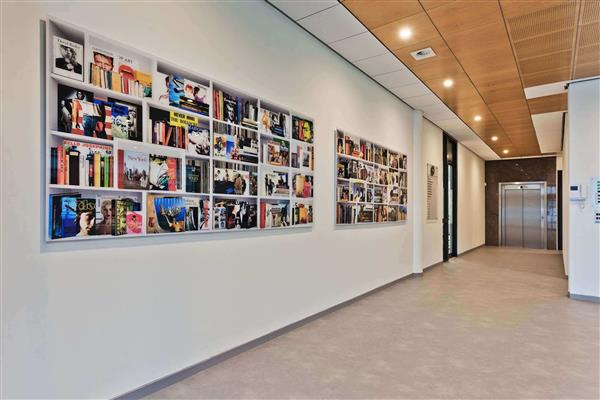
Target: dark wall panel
x=521, y=170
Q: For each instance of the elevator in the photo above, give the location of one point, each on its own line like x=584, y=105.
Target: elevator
x=523, y=214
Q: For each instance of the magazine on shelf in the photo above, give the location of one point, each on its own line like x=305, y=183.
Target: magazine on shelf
x=133, y=170
x=276, y=152
x=234, y=214
x=235, y=110
x=119, y=73
x=68, y=58
x=274, y=122
x=302, y=213
x=302, y=156
x=303, y=185
x=275, y=183
x=234, y=179
x=274, y=215
x=165, y=214
x=235, y=143
x=197, y=176
x=70, y=113
x=302, y=130
x=342, y=191
x=164, y=173
x=134, y=222
x=188, y=95
x=357, y=192
x=381, y=213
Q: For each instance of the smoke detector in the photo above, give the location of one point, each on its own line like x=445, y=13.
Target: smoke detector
x=423, y=53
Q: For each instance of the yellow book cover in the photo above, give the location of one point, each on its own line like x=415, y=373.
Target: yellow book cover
x=143, y=78
x=116, y=82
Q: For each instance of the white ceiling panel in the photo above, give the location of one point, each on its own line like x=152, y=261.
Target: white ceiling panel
x=359, y=47
x=419, y=101
x=480, y=148
x=380, y=65
x=414, y=89
x=332, y=24
x=436, y=108
x=548, y=129
x=450, y=124
x=545, y=90
x=297, y=9
x=395, y=79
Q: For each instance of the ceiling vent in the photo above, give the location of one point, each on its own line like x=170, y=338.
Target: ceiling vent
x=423, y=54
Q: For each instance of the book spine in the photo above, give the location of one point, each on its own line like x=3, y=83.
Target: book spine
x=110, y=171
x=53, y=165
x=120, y=166
x=97, y=170
x=106, y=170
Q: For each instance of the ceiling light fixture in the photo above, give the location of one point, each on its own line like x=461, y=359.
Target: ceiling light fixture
x=494, y=138
x=405, y=33
x=505, y=151
x=448, y=83
x=477, y=118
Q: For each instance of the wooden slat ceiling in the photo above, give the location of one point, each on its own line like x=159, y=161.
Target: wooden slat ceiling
x=492, y=50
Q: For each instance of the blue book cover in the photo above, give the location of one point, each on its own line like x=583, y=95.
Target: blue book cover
x=68, y=216
x=170, y=213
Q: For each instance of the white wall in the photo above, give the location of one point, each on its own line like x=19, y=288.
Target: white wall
x=471, y=200
x=99, y=319
x=583, y=159
x=432, y=151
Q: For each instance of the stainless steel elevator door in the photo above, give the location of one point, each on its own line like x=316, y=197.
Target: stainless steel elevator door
x=522, y=215
x=513, y=217
x=532, y=218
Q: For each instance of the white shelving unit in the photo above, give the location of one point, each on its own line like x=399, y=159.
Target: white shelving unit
x=383, y=170
x=153, y=65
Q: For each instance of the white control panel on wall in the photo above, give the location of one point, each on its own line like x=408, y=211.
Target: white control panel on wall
x=596, y=187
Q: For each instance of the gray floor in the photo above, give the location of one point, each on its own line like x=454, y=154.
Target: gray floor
x=494, y=323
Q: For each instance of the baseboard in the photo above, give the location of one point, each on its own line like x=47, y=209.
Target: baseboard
x=437, y=264
x=473, y=249
x=182, y=374
x=583, y=297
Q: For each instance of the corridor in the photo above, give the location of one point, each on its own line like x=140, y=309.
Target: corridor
x=493, y=323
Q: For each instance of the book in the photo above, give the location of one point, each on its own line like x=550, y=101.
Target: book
x=133, y=170
x=121, y=207
x=68, y=58
x=76, y=164
x=275, y=183
x=235, y=110
x=188, y=95
x=164, y=173
x=197, y=178
x=86, y=217
x=302, y=213
x=231, y=181
x=119, y=73
x=235, y=143
x=302, y=156
x=165, y=214
x=274, y=123
x=126, y=120
x=133, y=220
x=276, y=152
x=274, y=215
x=63, y=215
x=234, y=214
x=303, y=185
x=70, y=111
x=302, y=129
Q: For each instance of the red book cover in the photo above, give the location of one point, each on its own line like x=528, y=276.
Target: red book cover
x=61, y=165
x=172, y=166
x=121, y=158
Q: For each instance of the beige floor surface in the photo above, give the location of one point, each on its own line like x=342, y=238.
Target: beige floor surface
x=494, y=323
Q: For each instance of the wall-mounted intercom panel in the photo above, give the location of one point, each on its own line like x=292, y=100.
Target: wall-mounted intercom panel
x=577, y=192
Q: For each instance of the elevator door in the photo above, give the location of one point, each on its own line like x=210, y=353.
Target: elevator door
x=523, y=215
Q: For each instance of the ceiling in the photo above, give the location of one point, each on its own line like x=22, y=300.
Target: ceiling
x=507, y=60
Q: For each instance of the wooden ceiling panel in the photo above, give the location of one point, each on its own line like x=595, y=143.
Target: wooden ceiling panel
x=546, y=62
x=586, y=70
x=546, y=17
x=546, y=104
x=376, y=13
x=421, y=27
x=460, y=15
x=542, y=78
x=431, y=4
x=549, y=43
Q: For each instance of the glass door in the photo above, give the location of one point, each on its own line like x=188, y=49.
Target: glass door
x=450, y=198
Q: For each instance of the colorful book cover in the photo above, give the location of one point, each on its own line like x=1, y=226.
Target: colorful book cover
x=169, y=213
x=134, y=173
x=70, y=112
x=133, y=220
x=159, y=172
x=86, y=217
x=191, y=214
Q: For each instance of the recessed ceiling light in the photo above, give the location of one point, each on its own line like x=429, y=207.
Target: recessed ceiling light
x=405, y=33
x=494, y=138
x=505, y=151
x=448, y=83
x=477, y=118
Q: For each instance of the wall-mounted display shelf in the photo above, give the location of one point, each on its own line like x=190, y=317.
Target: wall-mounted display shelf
x=137, y=146
x=371, y=182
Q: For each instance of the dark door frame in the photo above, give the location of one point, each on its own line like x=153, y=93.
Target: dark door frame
x=450, y=157
x=559, y=206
